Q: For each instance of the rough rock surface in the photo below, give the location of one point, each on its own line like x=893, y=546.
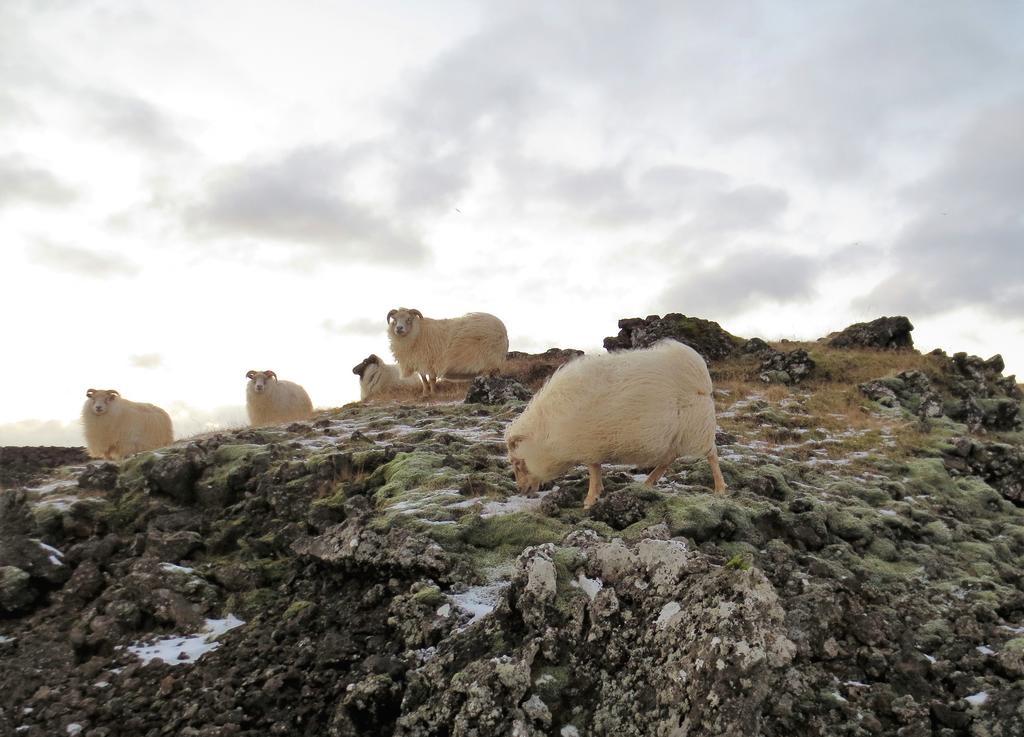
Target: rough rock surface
x=885, y=333
x=1000, y=464
x=911, y=390
x=496, y=390
x=968, y=389
x=707, y=338
x=785, y=368
x=383, y=576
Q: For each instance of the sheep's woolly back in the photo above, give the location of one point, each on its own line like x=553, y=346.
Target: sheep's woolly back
x=382, y=378
x=643, y=407
x=280, y=401
x=127, y=427
x=473, y=344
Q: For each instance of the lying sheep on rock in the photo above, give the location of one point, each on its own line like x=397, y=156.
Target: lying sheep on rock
x=464, y=346
x=377, y=379
x=270, y=401
x=116, y=428
x=644, y=407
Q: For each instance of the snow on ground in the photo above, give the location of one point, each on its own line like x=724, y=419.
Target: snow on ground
x=479, y=601
x=189, y=648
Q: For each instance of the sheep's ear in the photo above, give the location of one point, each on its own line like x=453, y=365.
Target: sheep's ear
x=372, y=358
x=514, y=441
x=270, y=374
x=90, y=393
x=391, y=315
x=416, y=312
x=251, y=375
x=113, y=393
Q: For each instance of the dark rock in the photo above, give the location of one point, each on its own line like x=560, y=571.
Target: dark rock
x=886, y=333
x=981, y=396
x=1001, y=465
x=172, y=547
x=101, y=476
x=911, y=390
x=496, y=390
x=706, y=337
x=175, y=476
x=786, y=368
x=16, y=590
x=620, y=509
x=42, y=562
x=756, y=346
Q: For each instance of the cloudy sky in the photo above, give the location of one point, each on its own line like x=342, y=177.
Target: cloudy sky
x=189, y=190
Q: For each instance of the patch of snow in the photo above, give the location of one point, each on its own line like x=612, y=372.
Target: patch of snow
x=515, y=503
x=855, y=683
x=4, y=639
x=52, y=486
x=22, y=728
x=667, y=612
x=478, y=600
x=1015, y=630
x=888, y=512
x=929, y=658
x=444, y=610
x=838, y=696
x=102, y=684
x=74, y=729
x=590, y=586
x=172, y=568
x=569, y=731
x=55, y=555
x=187, y=649
x=985, y=650
x=977, y=699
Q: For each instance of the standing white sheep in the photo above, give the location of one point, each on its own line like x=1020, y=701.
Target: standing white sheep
x=116, y=428
x=377, y=378
x=644, y=407
x=270, y=401
x=470, y=345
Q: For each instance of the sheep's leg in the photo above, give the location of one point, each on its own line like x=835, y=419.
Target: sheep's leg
x=596, y=486
x=432, y=378
x=656, y=474
x=425, y=384
x=716, y=472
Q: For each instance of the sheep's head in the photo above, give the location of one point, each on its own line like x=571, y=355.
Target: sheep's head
x=529, y=475
x=102, y=400
x=370, y=360
x=260, y=380
x=403, y=322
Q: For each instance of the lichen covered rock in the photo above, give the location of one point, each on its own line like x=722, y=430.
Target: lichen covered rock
x=706, y=337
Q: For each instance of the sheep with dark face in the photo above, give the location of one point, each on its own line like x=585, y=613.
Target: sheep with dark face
x=378, y=379
x=470, y=345
x=644, y=407
x=116, y=427
x=270, y=401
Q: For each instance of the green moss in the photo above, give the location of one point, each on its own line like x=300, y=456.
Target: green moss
x=253, y=603
x=429, y=596
x=300, y=605
x=514, y=531
x=550, y=681
x=406, y=471
x=739, y=561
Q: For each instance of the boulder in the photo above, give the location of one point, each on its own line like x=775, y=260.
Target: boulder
x=496, y=390
x=885, y=333
x=706, y=337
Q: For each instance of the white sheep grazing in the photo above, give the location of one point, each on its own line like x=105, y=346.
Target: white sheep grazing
x=644, y=407
x=116, y=427
x=270, y=401
x=470, y=345
x=377, y=378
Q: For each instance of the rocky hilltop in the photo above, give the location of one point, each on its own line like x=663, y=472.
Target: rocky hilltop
x=375, y=572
